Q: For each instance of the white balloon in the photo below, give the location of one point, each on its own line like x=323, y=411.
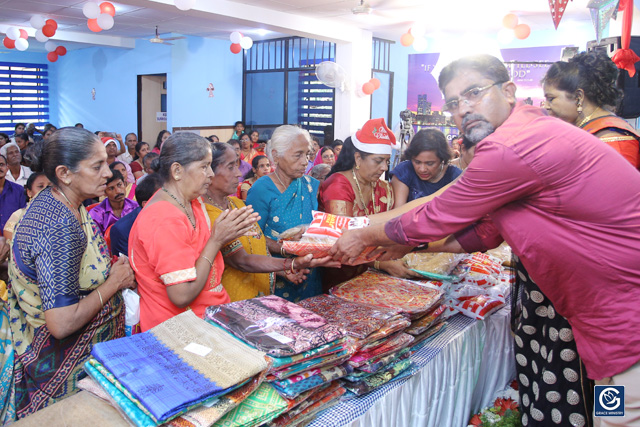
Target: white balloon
x=235, y=37
x=418, y=30
x=420, y=44
x=91, y=10
x=246, y=43
x=22, y=44
x=50, y=46
x=13, y=33
x=41, y=37
x=185, y=4
x=105, y=21
x=37, y=21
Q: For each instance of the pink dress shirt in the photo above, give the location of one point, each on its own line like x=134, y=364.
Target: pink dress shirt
x=569, y=206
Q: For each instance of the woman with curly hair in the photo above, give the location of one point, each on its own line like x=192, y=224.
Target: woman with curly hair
x=583, y=92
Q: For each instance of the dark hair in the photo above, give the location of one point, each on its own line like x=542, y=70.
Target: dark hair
x=217, y=152
x=256, y=131
x=5, y=136
x=67, y=146
x=487, y=65
x=428, y=140
x=210, y=138
x=147, y=187
x=32, y=178
x=138, y=147
x=22, y=136
x=337, y=143
x=183, y=148
x=78, y=125
x=254, y=165
x=19, y=124
x=33, y=155
x=113, y=165
x=130, y=133
x=234, y=142
x=239, y=122
x=467, y=142
x=50, y=126
x=115, y=175
x=3, y=156
x=346, y=160
x=159, y=138
x=328, y=134
x=325, y=149
x=593, y=72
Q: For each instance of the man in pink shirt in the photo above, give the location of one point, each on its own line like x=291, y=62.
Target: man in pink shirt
x=568, y=205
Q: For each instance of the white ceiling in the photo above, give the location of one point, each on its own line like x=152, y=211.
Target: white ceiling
x=217, y=18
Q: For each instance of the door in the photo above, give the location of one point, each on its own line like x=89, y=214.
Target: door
x=152, y=107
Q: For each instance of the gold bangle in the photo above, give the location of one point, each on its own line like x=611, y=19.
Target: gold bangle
x=376, y=265
x=292, y=261
x=100, y=295
x=208, y=260
x=282, y=252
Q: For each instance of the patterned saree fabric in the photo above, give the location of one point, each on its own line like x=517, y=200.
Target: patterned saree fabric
x=393, y=344
x=374, y=381
x=398, y=324
x=178, y=364
x=280, y=363
x=274, y=325
x=320, y=400
x=428, y=335
x=303, y=369
x=432, y=318
x=388, y=292
x=326, y=375
x=260, y=407
x=374, y=366
x=357, y=320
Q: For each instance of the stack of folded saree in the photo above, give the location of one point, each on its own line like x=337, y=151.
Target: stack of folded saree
x=174, y=369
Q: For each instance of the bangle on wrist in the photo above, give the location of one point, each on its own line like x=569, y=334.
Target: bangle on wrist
x=376, y=265
x=282, y=252
x=100, y=295
x=284, y=265
x=208, y=260
x=292, y=261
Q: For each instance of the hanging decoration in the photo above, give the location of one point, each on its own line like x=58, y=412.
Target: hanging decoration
x=235, y=47
x=407, y=39
x=52, y=56
x=239, y=42
x=185, y=4
x=415, y=37
x=371, y=86
x=16, y=38
x=9, y=43
x=557, y=10
x=210, y=89
x=625, y=58
x=99, y=16
x=522, y=31
x=510, y=21
x=512, y=28
x=601, y=13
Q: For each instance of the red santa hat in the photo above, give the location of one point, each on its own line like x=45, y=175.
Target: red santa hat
x=107, y=139
x=374, y=138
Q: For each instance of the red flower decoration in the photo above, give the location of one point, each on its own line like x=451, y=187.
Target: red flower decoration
x=625, y=59
x=476, y=420
x=514, y=385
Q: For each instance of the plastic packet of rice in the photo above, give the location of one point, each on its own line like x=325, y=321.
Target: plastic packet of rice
x=331, y=226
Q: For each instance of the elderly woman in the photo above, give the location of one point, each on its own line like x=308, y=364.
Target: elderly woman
x=285, y=200
x=65, y=294
x=583, y=91
x=249, y=271
x=425, y=167
x=174, y=249
x=355, y=188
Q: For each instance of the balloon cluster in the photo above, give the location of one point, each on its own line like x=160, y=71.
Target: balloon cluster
x=416, y=37
x=45, y=28
x=520, y=31
x=99, y=16
x=54, y=51
x=16, y=38
x=184, y=4
x=239, y=42
x=372, y=85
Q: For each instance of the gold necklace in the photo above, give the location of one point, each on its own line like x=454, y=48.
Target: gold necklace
x=278, y=176
x=74, y=210
x=193, y=222
x=586, y=119
x=364, y=208
x=217, y=205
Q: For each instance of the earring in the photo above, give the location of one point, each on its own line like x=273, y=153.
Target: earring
x=357, y=167
x=67, y=182
x=579, y=107
x=177, y=178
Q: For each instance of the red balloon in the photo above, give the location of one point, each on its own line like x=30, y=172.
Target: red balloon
x=52, y=56
x=522, y=31
x=8, y=43
x=406, y=39
x=61, y=50
x=510, y=21
x=368, y=88
x=106, y=7
x=51, y=22
x=235, y=47
x=375, y=82
x=93, y=25
x=23, y=34
x=48, y=30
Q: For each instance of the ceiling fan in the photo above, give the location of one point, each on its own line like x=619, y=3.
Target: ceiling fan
x=159, y=40
x=363, y=8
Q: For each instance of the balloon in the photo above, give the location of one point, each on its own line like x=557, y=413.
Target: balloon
x=8, y=43
x=105, y=21
x=50, y=46
x=52, y=56
x=246, y=42
x=522, y=31
x=418, y=30
x=37, y=21
x=52, y=22
x=41, y=37
x=235, y=37
x=185, y=4
x=368, y=88
x=420, y=44
x=406, y=39
x=13, y=33
x=24, y=34
x=106, y=7
x=61, y=50
x=375, y=82
x=235, y=47
x=93, y=25
x=22, y=44
x=91, y=10
x=48, y=30
x=510, y=21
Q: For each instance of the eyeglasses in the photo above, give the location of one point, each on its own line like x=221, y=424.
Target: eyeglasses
x=470, y=97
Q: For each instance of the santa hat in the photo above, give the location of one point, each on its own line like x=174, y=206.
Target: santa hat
x=374, y=138
x=107, y=139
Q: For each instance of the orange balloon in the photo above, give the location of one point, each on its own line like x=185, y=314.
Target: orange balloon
x=522, y=31
x=106, y=7
x=8, y=43
x=510, y=21
x=368, y=88
x=52, y=56
x=235, y=47
x=24, y=34
x=93, y=25
x=375, y=82
x=48, y=30
x=61, y=50
x=406, y=39
x=51, y=22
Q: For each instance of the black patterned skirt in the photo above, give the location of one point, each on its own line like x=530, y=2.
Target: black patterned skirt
x=553, y=386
